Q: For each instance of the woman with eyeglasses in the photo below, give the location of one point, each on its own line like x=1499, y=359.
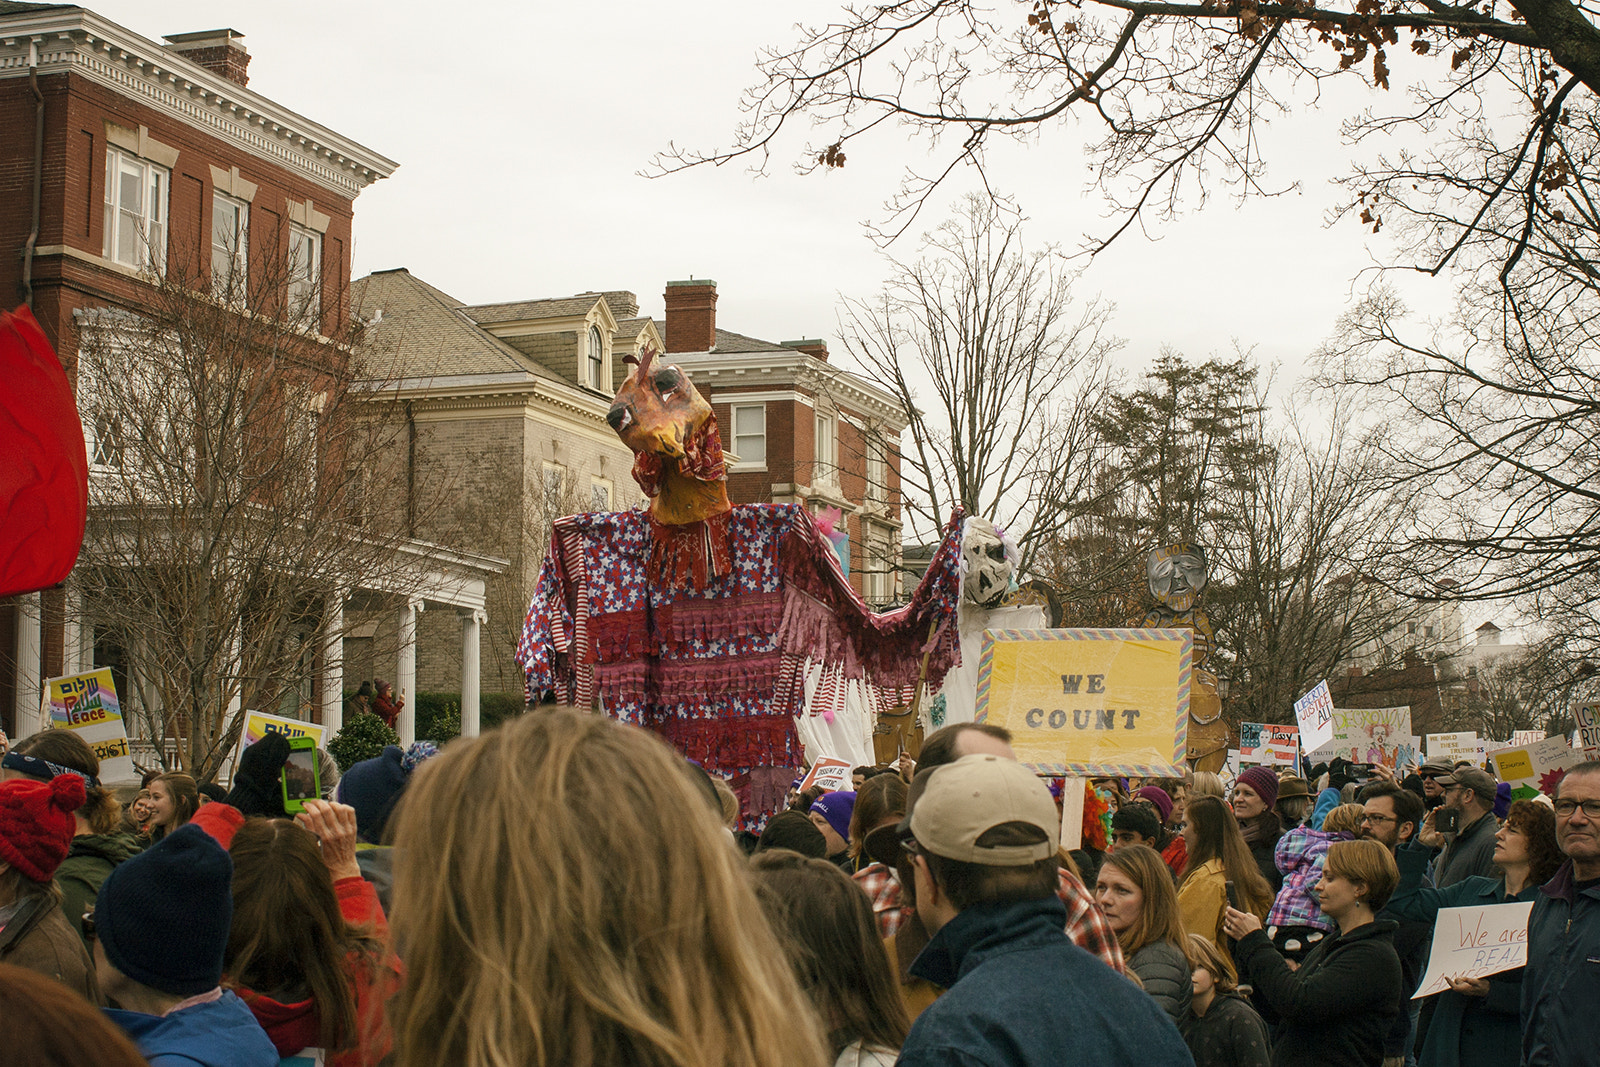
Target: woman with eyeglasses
x=1476, y=1021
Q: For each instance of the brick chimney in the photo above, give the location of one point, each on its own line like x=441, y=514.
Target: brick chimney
x=811, y=346
x=219, y=51
x=691, y=315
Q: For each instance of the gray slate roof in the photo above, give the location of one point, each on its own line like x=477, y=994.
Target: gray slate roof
x=7, y=7
x=519, y=310
x=728, y=341
x=425, y=333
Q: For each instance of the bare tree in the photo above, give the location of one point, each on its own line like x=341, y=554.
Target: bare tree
x=998, y=370
x=244, y=468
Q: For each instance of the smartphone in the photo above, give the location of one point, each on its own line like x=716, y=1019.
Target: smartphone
x=1447, y=820
x=1233, y=895
x=302, y=776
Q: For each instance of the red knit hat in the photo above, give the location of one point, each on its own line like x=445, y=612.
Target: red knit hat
x=36, y=823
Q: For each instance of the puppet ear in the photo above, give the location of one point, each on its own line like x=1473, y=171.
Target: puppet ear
x=702, y=458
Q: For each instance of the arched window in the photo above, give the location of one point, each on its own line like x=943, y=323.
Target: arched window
x=596, y=361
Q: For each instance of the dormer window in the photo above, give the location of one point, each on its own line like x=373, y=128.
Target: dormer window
x=595, y=365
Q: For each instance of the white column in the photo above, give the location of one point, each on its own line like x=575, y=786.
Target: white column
x=74, y=657
x=471, y=627
x=406, y=672
x=333, y=663
x=29, y=650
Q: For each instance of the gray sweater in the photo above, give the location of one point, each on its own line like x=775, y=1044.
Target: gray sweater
x=1470, y=855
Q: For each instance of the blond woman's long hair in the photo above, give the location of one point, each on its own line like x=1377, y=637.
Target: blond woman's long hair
x=563, y=894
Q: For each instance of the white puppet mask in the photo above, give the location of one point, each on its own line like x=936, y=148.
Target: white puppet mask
x=987, y=562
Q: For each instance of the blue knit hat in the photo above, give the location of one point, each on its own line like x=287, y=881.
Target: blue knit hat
x=163, y=916
x=373, y=786
x=836, y=808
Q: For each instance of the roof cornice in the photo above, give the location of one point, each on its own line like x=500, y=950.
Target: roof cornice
x=73, y=40
x=731, y=369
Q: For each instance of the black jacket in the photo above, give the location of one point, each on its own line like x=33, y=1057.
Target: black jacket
x=1337, y=1007
x=1229, y=1034
x=1164, y=972
x=1561, y=984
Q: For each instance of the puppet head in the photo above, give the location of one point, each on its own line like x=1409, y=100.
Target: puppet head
x=1177, y=573
x=677, y=452
x=988, y=560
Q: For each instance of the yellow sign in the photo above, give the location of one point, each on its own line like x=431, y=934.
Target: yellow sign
x=1090, y=702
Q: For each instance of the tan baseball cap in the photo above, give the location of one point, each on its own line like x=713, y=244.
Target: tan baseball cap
x=960, y=801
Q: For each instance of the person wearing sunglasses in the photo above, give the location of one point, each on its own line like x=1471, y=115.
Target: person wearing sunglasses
x=1561, y=983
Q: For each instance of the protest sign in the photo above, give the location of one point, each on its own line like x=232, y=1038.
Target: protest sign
x=1519, y=738
x=1474, y=942
x=1370, y=735
x=258, y=724
x=87, y=705
x=1314, y=713
x=831, y=774
x=1268, y=744
x=1090, y=702
x=1588, y=732
x=1536, y=768
x=1463, y=744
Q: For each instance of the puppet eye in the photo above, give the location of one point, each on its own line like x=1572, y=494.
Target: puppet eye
x=668, y=379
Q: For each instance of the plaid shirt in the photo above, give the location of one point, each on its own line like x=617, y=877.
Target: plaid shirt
x=882, y=886
x=1086, y=924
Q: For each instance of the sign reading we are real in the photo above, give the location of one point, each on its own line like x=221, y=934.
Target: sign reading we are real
x=1475, y=942
x=1090, y=702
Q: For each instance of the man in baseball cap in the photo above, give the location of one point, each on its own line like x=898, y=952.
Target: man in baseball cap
x=982, y=835
x=1470, y=850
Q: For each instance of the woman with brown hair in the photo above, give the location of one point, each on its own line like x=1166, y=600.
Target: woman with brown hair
x=564, y=895
x=880, y=805
x=1476, y=1021
x=1337, y=1009
x=826, y=924
x=1217, y=856
x=1134, y=890
x=306, y=949
x=174, y=798
x=50, y=1026
x=99, y=842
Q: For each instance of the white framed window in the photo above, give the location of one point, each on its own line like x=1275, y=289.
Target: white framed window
x=230, y=229
x=599, y=495
x=595, y=361
x=305, y=275
x=105, y=442
x=826, y=450
x=877, y=469
x=877, y=583
x=555, y=479
x=750, y=435
x=135, y=211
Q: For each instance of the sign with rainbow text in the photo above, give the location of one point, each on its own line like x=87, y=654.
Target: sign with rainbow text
x=87, y=705
x=1090, y=702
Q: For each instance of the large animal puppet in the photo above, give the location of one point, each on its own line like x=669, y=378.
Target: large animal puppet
x=697, y=619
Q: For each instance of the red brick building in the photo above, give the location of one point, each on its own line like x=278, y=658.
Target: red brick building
x=799, y=429
x=123, y=159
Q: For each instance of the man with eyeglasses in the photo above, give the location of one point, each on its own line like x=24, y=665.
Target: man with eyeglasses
x=1393, y=814
x=1561, y=984
x=1469, y=851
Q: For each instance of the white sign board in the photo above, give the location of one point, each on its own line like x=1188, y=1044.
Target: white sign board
x=1269, y=745
x=829, y=773
x=1457, y=746
x=1588, y=719
x=1371, y=735
x=1475, y=942
x=1314, y=713
x=1520, y=738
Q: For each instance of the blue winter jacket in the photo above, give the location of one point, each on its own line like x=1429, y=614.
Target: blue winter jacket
x=1022, y=995
x=221, y=1033
x=1561, y=983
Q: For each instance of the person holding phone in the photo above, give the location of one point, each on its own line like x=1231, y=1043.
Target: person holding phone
x=385, y=704
x=1217, y=856
x=1468, y=849
x=1337, y=1008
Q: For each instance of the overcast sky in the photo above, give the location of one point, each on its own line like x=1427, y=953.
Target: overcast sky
x=520, y=128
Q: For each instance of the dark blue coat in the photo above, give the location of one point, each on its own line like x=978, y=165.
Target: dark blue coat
x=1465, y=1031
x=221, y=1033
x=1561, y=984
x=1022, y=995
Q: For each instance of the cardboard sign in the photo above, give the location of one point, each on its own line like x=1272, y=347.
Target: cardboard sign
x=1588, y=732
x=1090, y=702
x=1464, y=744
x=1268, y=744
x=1474, y=942
x=1314, y=713
x=1371, y=735
x=87, y=705
x=258, y=724
x=831, y=774
x=1536, y=768
x=1520, y=738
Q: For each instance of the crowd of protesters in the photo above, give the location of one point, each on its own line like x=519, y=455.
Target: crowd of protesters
x=567, y=890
